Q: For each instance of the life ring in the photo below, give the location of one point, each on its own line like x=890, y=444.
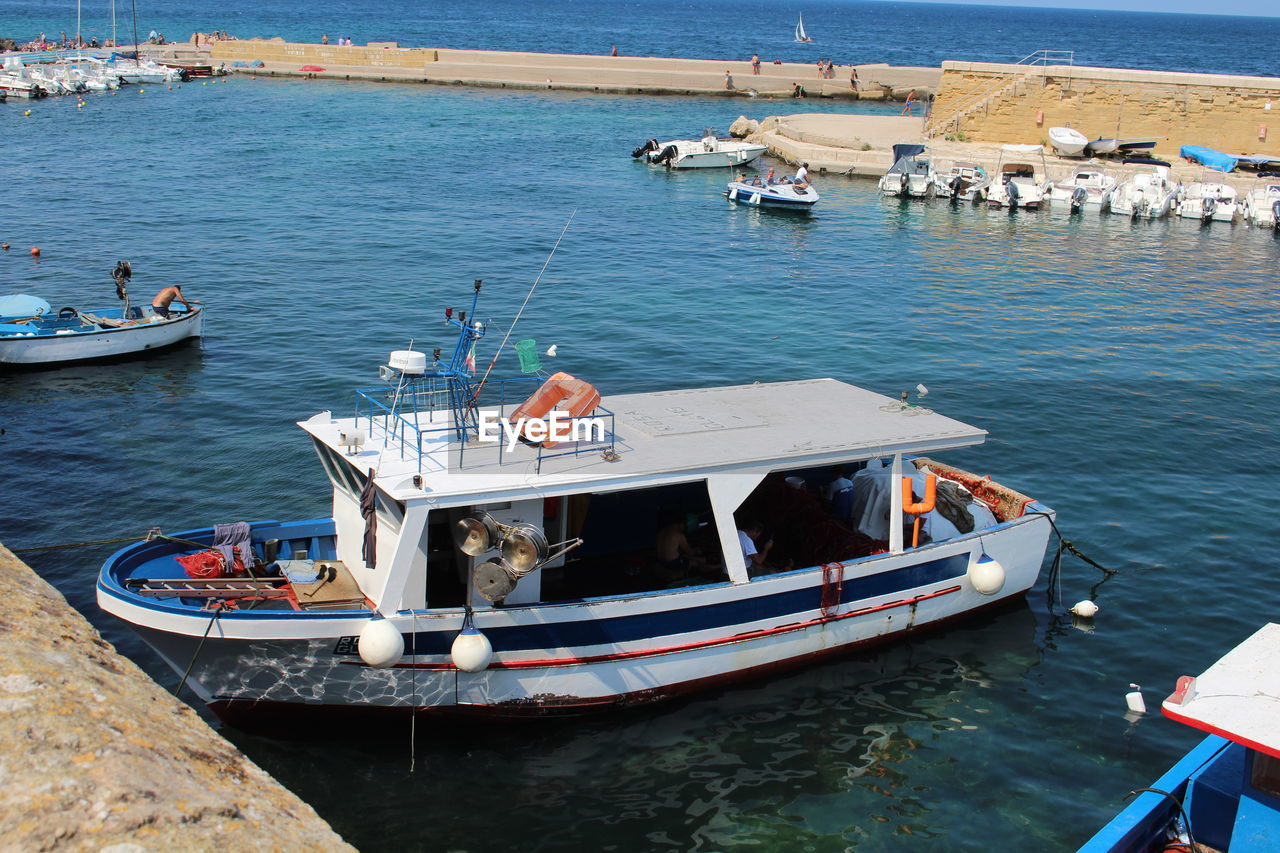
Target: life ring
x=912, y=507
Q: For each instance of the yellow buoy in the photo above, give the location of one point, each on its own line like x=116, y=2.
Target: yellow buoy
x=140, y=91
x=27, y=113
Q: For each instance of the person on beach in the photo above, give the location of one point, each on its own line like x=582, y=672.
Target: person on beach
x=324, y=39
x=797, y=91
x=755, y=64
x=853, y=79
x=160, y=304
x=614, y=51
x=728, y=80
x=911, y=102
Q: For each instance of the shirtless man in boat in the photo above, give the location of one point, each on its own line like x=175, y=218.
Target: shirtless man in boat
x=165, y=298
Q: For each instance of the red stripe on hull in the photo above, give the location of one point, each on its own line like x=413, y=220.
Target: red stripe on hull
x=246, y=713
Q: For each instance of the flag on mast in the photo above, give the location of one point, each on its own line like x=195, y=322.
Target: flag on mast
x=471, y=359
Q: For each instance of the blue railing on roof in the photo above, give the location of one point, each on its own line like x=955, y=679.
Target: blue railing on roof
x=421, y=412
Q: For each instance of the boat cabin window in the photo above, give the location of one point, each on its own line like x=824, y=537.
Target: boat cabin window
x=352, y=482
x=633, y=541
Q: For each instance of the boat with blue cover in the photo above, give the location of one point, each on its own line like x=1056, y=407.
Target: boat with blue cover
x=601, y=552
x=33, y=334
x=1223, y=795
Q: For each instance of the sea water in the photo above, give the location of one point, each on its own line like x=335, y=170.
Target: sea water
x=1126, y=372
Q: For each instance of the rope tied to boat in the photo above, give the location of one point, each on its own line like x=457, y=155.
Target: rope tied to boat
x=832, y=584
x=1053, y=590
x=151, y=535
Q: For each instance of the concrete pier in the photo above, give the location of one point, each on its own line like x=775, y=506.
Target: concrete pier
x=98, y=756
x=387, y=61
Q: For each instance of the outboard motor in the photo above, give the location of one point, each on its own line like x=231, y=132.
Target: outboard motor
x=665, y=156
x=1011, y=190
x=1078, y=197
x=650, y=145
x=1207, y=206
x=904, y=182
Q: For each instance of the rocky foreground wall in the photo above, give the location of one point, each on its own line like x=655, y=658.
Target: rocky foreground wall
x=986, y=102
x=97, y=756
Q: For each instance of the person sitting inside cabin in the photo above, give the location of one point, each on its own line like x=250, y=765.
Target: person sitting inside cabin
x=840, y=495
x=753, y=557
x=675, y=554
x=163, y=299
x=801, y=180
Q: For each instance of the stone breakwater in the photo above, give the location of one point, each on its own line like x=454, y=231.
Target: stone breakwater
x=98, y=756
x=387, y=61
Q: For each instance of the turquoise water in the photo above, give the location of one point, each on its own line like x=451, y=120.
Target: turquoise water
x=1126, y=372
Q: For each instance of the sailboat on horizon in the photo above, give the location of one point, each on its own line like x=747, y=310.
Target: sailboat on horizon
x=801, y=35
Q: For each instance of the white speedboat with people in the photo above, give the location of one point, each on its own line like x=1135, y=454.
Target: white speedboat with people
x=709, y=152
x=1068, y=141
x=527, y=547
x=1209, y=201
x=912, y=174
x=1148, y=194
x=33, y=334
x=1262, y=204
x=1089, y=187
x=763, y=192
x=1018, y=182
x=963, y=182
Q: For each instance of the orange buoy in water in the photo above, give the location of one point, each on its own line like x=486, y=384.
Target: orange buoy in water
x=35, y=251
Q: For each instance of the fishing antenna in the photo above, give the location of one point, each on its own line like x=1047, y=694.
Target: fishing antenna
x=527, y=297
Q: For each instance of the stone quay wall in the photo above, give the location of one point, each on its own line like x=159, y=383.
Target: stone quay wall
x=987, y=102
x=98, y=756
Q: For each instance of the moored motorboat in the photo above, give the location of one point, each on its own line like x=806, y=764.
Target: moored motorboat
x=709, y=152
x=1088, y=188
x=1068, y=141
x=1261, y=206
x=32, y=334
x=1209, y=201
x=964, y=182
x=912, y=174
x=784, y=194
x=1146, y=195
x=525, y=575
x=1017, y=181
x=1225, y=793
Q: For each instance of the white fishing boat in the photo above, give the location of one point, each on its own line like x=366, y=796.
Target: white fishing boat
x=1262, y=205
x=1208, y=201
x=801, y=35
x=32, y=334
x=783, y=194
x=523, y=575
x=912, y=174
x=1147, y=195
x=1018, y=182
x=1087, y=188
x=1068, y=141
x=709, y=152
x=16, y=81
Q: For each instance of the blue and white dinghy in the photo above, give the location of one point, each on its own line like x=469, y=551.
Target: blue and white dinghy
x=526, y=547
x=32, y=333
x=758, y=192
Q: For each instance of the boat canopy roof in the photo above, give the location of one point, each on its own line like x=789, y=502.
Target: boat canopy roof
x=905, y=150
x=1020, y=149
x=1236, y=697
x=660, y=437
x=1209, y=157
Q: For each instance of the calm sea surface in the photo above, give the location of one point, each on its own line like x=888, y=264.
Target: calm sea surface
x=1126, y=372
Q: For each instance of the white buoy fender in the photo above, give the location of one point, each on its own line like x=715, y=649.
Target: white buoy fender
x=381, y=645
x=1134, y=700
x=471, y=651
x=986, y=575
x=1085, y=609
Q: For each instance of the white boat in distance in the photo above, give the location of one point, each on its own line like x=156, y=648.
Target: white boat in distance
x=1147, y=195
x=801, y=35
x=1209, y=202
x=1017, y=183
x=1262, y=205
x=709, y=152
x=1087, y=188
x=460, y=576
x=784, y=195
x=1068, y=141
x=912, y=175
